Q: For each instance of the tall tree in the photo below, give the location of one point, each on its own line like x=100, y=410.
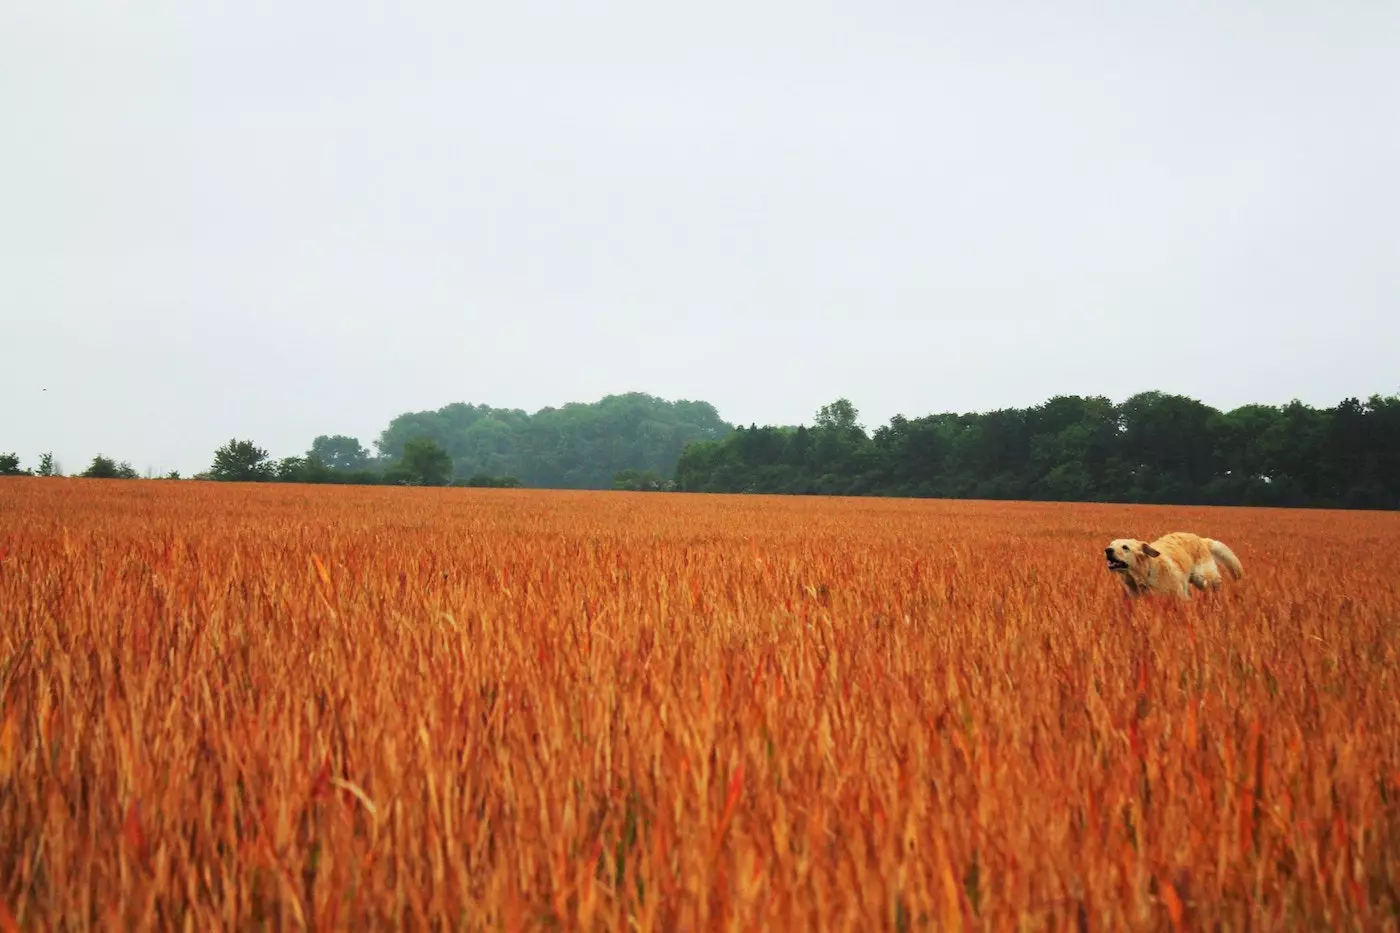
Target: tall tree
x=840, y=416
x=242, y=461
x=107, y=468
x=425, y=462
x=340, y=453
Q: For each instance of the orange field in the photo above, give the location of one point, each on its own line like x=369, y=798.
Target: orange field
x=283, y=707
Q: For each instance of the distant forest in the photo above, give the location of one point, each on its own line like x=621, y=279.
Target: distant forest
x=1152, y=448
x=633, y=440
x=576, y=446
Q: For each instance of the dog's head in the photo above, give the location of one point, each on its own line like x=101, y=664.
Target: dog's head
x=1128, y=555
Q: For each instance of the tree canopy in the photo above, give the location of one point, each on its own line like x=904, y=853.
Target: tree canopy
x=1154, y=447
x=423, y=463
x=242, y=461
x=339, y=453
x=577, y=446
x=107, y=468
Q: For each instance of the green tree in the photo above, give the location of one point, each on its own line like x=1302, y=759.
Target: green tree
x=576, y=446
x=425, y=463
x=308, y=469
x=47, y=466
x=1153, y=447
x=1168, y=438
x=107, y=468
x=638, y=481
x=1069, y=443
x=840, y=416
x=242, y=462
x=9, y=465
x=842, y=455
x=340, y=453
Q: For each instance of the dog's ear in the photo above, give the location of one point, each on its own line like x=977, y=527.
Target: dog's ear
x=1150, y=551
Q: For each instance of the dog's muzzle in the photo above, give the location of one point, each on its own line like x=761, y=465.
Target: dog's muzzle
x=1113, y=562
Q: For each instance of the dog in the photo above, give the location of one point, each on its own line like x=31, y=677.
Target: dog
x=1172, y=564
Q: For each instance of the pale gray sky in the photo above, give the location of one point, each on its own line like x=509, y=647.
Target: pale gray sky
x=274, y=220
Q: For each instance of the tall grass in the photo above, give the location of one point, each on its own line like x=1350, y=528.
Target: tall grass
x=278, y=707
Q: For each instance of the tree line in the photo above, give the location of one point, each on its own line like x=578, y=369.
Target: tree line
x=621, y=441
x=1153, y=448
x=576, y=446
x=102, y=467
x=331, y=459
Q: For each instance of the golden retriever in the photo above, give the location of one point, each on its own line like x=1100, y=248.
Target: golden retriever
x=1172, y=564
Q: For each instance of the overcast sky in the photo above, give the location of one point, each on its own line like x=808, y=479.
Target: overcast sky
x=274, y=220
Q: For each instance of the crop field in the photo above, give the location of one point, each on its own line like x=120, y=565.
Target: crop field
x=296, y=707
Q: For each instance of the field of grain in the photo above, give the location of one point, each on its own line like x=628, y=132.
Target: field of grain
x=280, y=707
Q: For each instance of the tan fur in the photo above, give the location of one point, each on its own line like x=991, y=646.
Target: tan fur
x=1172, y=564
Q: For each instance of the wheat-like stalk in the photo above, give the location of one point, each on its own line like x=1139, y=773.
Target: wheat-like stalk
x=247, y=707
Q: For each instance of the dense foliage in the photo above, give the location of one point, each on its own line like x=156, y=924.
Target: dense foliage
x=1154, y=447
x=578, y=446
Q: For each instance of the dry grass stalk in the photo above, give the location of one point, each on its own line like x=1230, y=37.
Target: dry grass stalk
x=350, y=709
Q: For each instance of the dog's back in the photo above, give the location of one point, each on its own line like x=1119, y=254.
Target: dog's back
x=1173, y=563
x=1183, y=549
x=1197, y=560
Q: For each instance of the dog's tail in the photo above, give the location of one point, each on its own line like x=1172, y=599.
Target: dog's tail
x=1224, y=555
